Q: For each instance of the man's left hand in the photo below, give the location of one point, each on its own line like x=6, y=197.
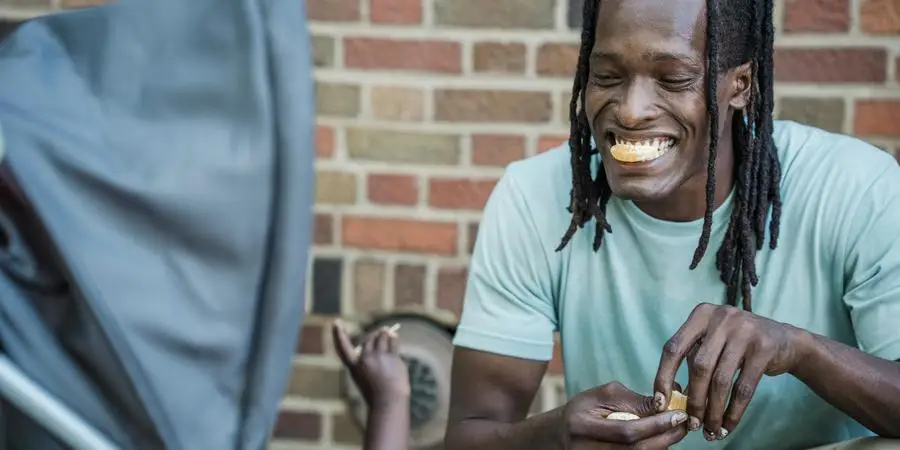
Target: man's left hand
x=719, y=341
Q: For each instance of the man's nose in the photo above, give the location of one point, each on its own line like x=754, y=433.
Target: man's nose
x=638, y=105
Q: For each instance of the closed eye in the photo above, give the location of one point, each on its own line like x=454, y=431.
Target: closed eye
x=606, y=80
x=677, y=83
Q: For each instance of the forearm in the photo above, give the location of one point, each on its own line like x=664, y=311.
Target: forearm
x=863, y=386
x=538, y=432
x=388, y=426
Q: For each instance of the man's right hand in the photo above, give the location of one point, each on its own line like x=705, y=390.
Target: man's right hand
x=585, y=426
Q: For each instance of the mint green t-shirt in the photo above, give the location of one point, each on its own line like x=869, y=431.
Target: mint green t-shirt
x=836, y=272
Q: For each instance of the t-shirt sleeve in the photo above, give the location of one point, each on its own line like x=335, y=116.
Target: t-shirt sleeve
x=508, y=307
x=872, y=281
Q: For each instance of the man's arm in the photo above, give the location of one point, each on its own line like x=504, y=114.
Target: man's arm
x=490, y=399
x=863, y=386
x=505, y=335
x=865, y=383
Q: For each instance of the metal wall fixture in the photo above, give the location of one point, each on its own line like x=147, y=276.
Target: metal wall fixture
x=426, y=345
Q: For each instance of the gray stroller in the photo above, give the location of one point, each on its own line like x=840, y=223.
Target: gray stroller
x=156, y=186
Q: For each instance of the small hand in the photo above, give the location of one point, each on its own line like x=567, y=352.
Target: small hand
x=719, y=341
x=375, y=366
x=586, y=426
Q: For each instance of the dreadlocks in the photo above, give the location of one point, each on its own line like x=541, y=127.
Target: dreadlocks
x=757, y=169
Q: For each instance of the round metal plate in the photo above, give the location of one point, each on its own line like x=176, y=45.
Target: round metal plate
x=427, y=347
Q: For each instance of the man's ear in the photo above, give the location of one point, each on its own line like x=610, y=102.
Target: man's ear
x=741, y=80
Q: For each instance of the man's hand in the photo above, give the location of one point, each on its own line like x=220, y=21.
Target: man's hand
x=585, y=425
x=719, y=341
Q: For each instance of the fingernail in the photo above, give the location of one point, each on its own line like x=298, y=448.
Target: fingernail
x=709, y=435
x=659, y=401
x=679, y=418
x=723, y=433
x=694, y=424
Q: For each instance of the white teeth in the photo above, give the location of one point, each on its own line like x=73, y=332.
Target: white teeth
x=641, y=150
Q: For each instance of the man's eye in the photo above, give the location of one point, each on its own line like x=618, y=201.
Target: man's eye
x=605, y=79
x=677, y=82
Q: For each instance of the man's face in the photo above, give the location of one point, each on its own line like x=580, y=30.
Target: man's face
x=647, y=90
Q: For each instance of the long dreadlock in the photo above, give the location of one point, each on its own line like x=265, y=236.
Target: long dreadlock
x=757, y=167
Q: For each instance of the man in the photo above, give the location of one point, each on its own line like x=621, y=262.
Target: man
x=793, y=311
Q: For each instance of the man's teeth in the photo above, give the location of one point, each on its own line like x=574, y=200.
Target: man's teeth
x=643, y=150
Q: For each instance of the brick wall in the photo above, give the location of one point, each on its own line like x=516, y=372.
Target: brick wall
x=423, y=102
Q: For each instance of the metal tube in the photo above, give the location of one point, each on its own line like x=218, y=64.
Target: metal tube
x=46, y=410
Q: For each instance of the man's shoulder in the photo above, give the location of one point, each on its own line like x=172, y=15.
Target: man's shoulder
x=827, y=161
x=805, y=150
x=544, y=179
x=555, y=163
x=538, y=189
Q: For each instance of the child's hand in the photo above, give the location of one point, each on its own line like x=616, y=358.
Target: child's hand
x=375, y=365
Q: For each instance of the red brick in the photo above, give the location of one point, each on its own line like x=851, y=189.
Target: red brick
x=497, y=57
x=402, y=235
x=333, y=10
x=482, y=106
x=451, y=289
x=409, y=285
x=880, y=16
x=311, y=340
x=550, y=142
x=831, y=65
x=324, y=141
x=821, y=16
x=324, y=231
x=557, y=60
x=396, y=11
x=877, y=117
x=306, y=425
x=459, y=193
x=398, y=54
x=393, y=189
x=497, y=149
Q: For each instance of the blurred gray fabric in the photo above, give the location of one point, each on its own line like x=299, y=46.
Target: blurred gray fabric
x=167, y=148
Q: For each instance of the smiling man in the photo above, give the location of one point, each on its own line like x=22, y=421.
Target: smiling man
x=763, y=254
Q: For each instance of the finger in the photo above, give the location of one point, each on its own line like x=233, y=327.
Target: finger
x=674, y=352
x=663, y=441
x=393, y=344
x=720, y=387
x=743, y=390
x=342, y=345
x=382, y=342
x=631, y=431
x=361, y=341
x=700, y=370
x=370, y=344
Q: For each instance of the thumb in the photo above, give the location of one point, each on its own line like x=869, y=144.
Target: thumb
x=639, y=405
x=342, y=344
x=646, y=407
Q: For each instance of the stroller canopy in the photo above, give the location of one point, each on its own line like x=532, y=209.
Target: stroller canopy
x=165, y=148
